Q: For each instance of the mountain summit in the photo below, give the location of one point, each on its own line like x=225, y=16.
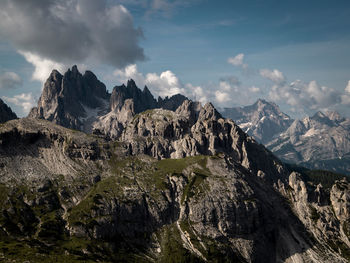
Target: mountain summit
x=263, y=120
x=82, y=102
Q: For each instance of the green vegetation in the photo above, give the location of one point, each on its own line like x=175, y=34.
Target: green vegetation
x=172, y=248
x=82, y=212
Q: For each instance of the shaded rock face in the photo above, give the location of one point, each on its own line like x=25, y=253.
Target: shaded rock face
x=143, y=100
x=263, y=120
x=82, y=102
x=71, y=196
x=66, y=100
x=6, y=113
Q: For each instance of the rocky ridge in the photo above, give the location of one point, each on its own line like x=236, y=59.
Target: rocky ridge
x=83, y=103
x=263, y=120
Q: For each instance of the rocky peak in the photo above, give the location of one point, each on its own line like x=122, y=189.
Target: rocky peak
x=171, y=103
x=209, y=112
x=6, y=113
x=321, y=119
x=263, y=120
x=143, y=100
x=190, y=110
x=66, y=99
x=334, y=116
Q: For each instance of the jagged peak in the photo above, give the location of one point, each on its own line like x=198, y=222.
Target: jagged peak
x=6, y=112
x=131, y=84
x=146, y=90
x=209, y=112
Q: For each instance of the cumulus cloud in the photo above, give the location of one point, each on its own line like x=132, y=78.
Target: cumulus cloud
x=71, y=31
x=10, y=80
x=222, y=96
x=238, y=61
x=43, y=67
x=197, y=93
x=25, y=100
x=164, y=84
x=347, y=89
x=305, y=97
x=254, y=89
x=275, y=75
x=345, y=98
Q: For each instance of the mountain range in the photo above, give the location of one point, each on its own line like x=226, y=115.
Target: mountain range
x=321, y=141
x=91, y=176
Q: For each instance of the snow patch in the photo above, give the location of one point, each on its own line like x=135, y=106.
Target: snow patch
x=311, y=132
x=245, y=125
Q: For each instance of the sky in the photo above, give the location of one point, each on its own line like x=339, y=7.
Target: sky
x=294, y=53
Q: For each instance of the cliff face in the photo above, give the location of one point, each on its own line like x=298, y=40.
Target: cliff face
x=6, y=113
x=81, y=102
x=71, y=100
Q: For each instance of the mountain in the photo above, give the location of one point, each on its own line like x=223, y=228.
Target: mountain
x=71, y=98
x=319, y=142
x=71, y=196
x=6, y=113
x=263, y=120
x=184, y=185
x=82, y=102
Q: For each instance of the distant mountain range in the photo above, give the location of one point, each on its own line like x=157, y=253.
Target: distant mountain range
x=318, y=142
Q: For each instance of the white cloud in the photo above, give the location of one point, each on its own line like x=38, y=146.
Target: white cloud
x=275, y=75
x=305, y=97
x=165, y=84
x=10, y=80
x=238, y=61
x=347, y=89
x=254, y=89
x=25, y=100
x=197, y=93
x=43, y=67
x=345, y=98
x=222, y=96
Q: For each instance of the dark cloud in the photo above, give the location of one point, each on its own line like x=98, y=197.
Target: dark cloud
x=72, y=31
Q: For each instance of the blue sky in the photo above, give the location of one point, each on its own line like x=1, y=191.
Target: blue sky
x=295, y=53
